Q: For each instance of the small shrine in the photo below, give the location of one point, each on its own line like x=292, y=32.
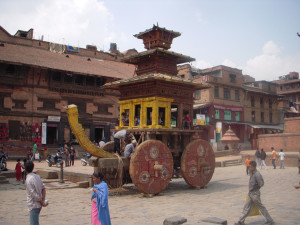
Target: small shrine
x=229, y=139
x=155, y=97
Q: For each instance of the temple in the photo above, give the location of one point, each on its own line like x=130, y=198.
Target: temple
x=155, y=97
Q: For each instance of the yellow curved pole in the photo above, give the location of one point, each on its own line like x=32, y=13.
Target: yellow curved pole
x=81, y=137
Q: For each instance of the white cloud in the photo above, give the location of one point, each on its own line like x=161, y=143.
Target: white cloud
x=74, y=22
x=228, y=62
x=202, y=64
x=270, y=64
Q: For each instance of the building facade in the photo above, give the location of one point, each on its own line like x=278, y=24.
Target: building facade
x=39, y=78
x=236, y=100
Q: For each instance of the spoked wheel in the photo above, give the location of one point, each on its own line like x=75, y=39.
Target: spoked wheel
x=198, y=163
x=151, y=167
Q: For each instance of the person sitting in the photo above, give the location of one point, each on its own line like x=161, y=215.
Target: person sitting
x=186, y=123
x=129, y=149
x=125, y=119
x=136, y=121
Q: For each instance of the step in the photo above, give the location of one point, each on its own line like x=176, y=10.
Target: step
x=2, y=177
x=4, y=182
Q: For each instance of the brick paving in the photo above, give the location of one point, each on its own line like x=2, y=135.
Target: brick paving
x=223, y=198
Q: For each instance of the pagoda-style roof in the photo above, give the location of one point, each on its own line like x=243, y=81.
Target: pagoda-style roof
x=179, y=58
x=156, y=37
x=154, y=28
x=155, y=76
x=230, y=137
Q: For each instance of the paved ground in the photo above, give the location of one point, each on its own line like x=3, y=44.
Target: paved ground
x=223, y=198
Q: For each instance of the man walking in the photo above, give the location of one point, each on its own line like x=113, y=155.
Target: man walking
x=281, y=155
x=263, y=156
x=273, y=158
x=36, y=193
x=256, y=181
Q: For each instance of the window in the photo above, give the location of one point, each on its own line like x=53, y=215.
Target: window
x=262, y=117
x=280, y=87
x=227, y=115
x=232, y=78
x=237, y=95
x=90, y=81
x=10, y=69
x=294, y=98
x=56, y=76
x=100, y=81
x=261, y=100
x=103, y=109
x=79, y=80
x=237, y=116
x=227, y=94
x=216, y=92
x=197, y=94
x=253, y=116
x=19, y=104
x=270, y=104
x=68, y=79
x=270, y=117
x=252, y=101
x=217, y=114
x=161, y=116
x=298, y=98
x=14, y=129
x=149, y=116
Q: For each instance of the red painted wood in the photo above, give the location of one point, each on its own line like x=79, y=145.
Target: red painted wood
x=196, y=153
x=141, y=169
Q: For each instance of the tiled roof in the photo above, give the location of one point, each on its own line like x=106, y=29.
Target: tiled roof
x=31, y=56
x=157, y=76
x=176, y=34
x=180, y=58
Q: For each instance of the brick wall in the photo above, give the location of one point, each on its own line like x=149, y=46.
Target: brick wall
x=288, y=142
x=292, y=125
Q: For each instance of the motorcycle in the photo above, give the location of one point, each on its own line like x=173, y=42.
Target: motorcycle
x=85, y=159
x=3, y=158
x=54, y=159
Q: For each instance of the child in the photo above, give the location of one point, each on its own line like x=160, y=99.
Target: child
x=247, y=161
x=23, y=172
x=18, y=170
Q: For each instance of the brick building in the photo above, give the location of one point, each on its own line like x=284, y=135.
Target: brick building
x=39, y=78
x=288, y=89
x=236, y=100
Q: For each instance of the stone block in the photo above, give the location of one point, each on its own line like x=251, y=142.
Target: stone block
x=46, y=174
x=174, y=220
x=83, y=184
x=215, y=220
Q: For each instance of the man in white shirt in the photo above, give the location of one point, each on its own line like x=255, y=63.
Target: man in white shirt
x=281, y=155
x=120, y=135
x=102, y=142
x=129, y=149
x=36, y=193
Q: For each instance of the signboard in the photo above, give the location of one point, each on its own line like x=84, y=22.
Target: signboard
x=53, y=118
x=219, y=127
x=200, y=119
x=44, y=133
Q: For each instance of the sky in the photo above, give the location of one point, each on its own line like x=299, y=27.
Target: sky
x=257, y=36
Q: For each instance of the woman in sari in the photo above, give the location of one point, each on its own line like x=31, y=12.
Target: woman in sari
x=100, y=211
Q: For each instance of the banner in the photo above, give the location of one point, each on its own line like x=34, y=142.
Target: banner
x=218, y=127
x=44, y=133
x=201, y=119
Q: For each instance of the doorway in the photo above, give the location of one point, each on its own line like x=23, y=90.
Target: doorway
x=51, y=134
x=99, y=133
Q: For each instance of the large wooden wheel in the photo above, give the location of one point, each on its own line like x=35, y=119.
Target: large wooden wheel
x=198, y=163
x=151, y=167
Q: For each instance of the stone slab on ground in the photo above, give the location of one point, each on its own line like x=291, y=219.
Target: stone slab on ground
x=174, y=220
x=47, y=174
x=215, y=220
